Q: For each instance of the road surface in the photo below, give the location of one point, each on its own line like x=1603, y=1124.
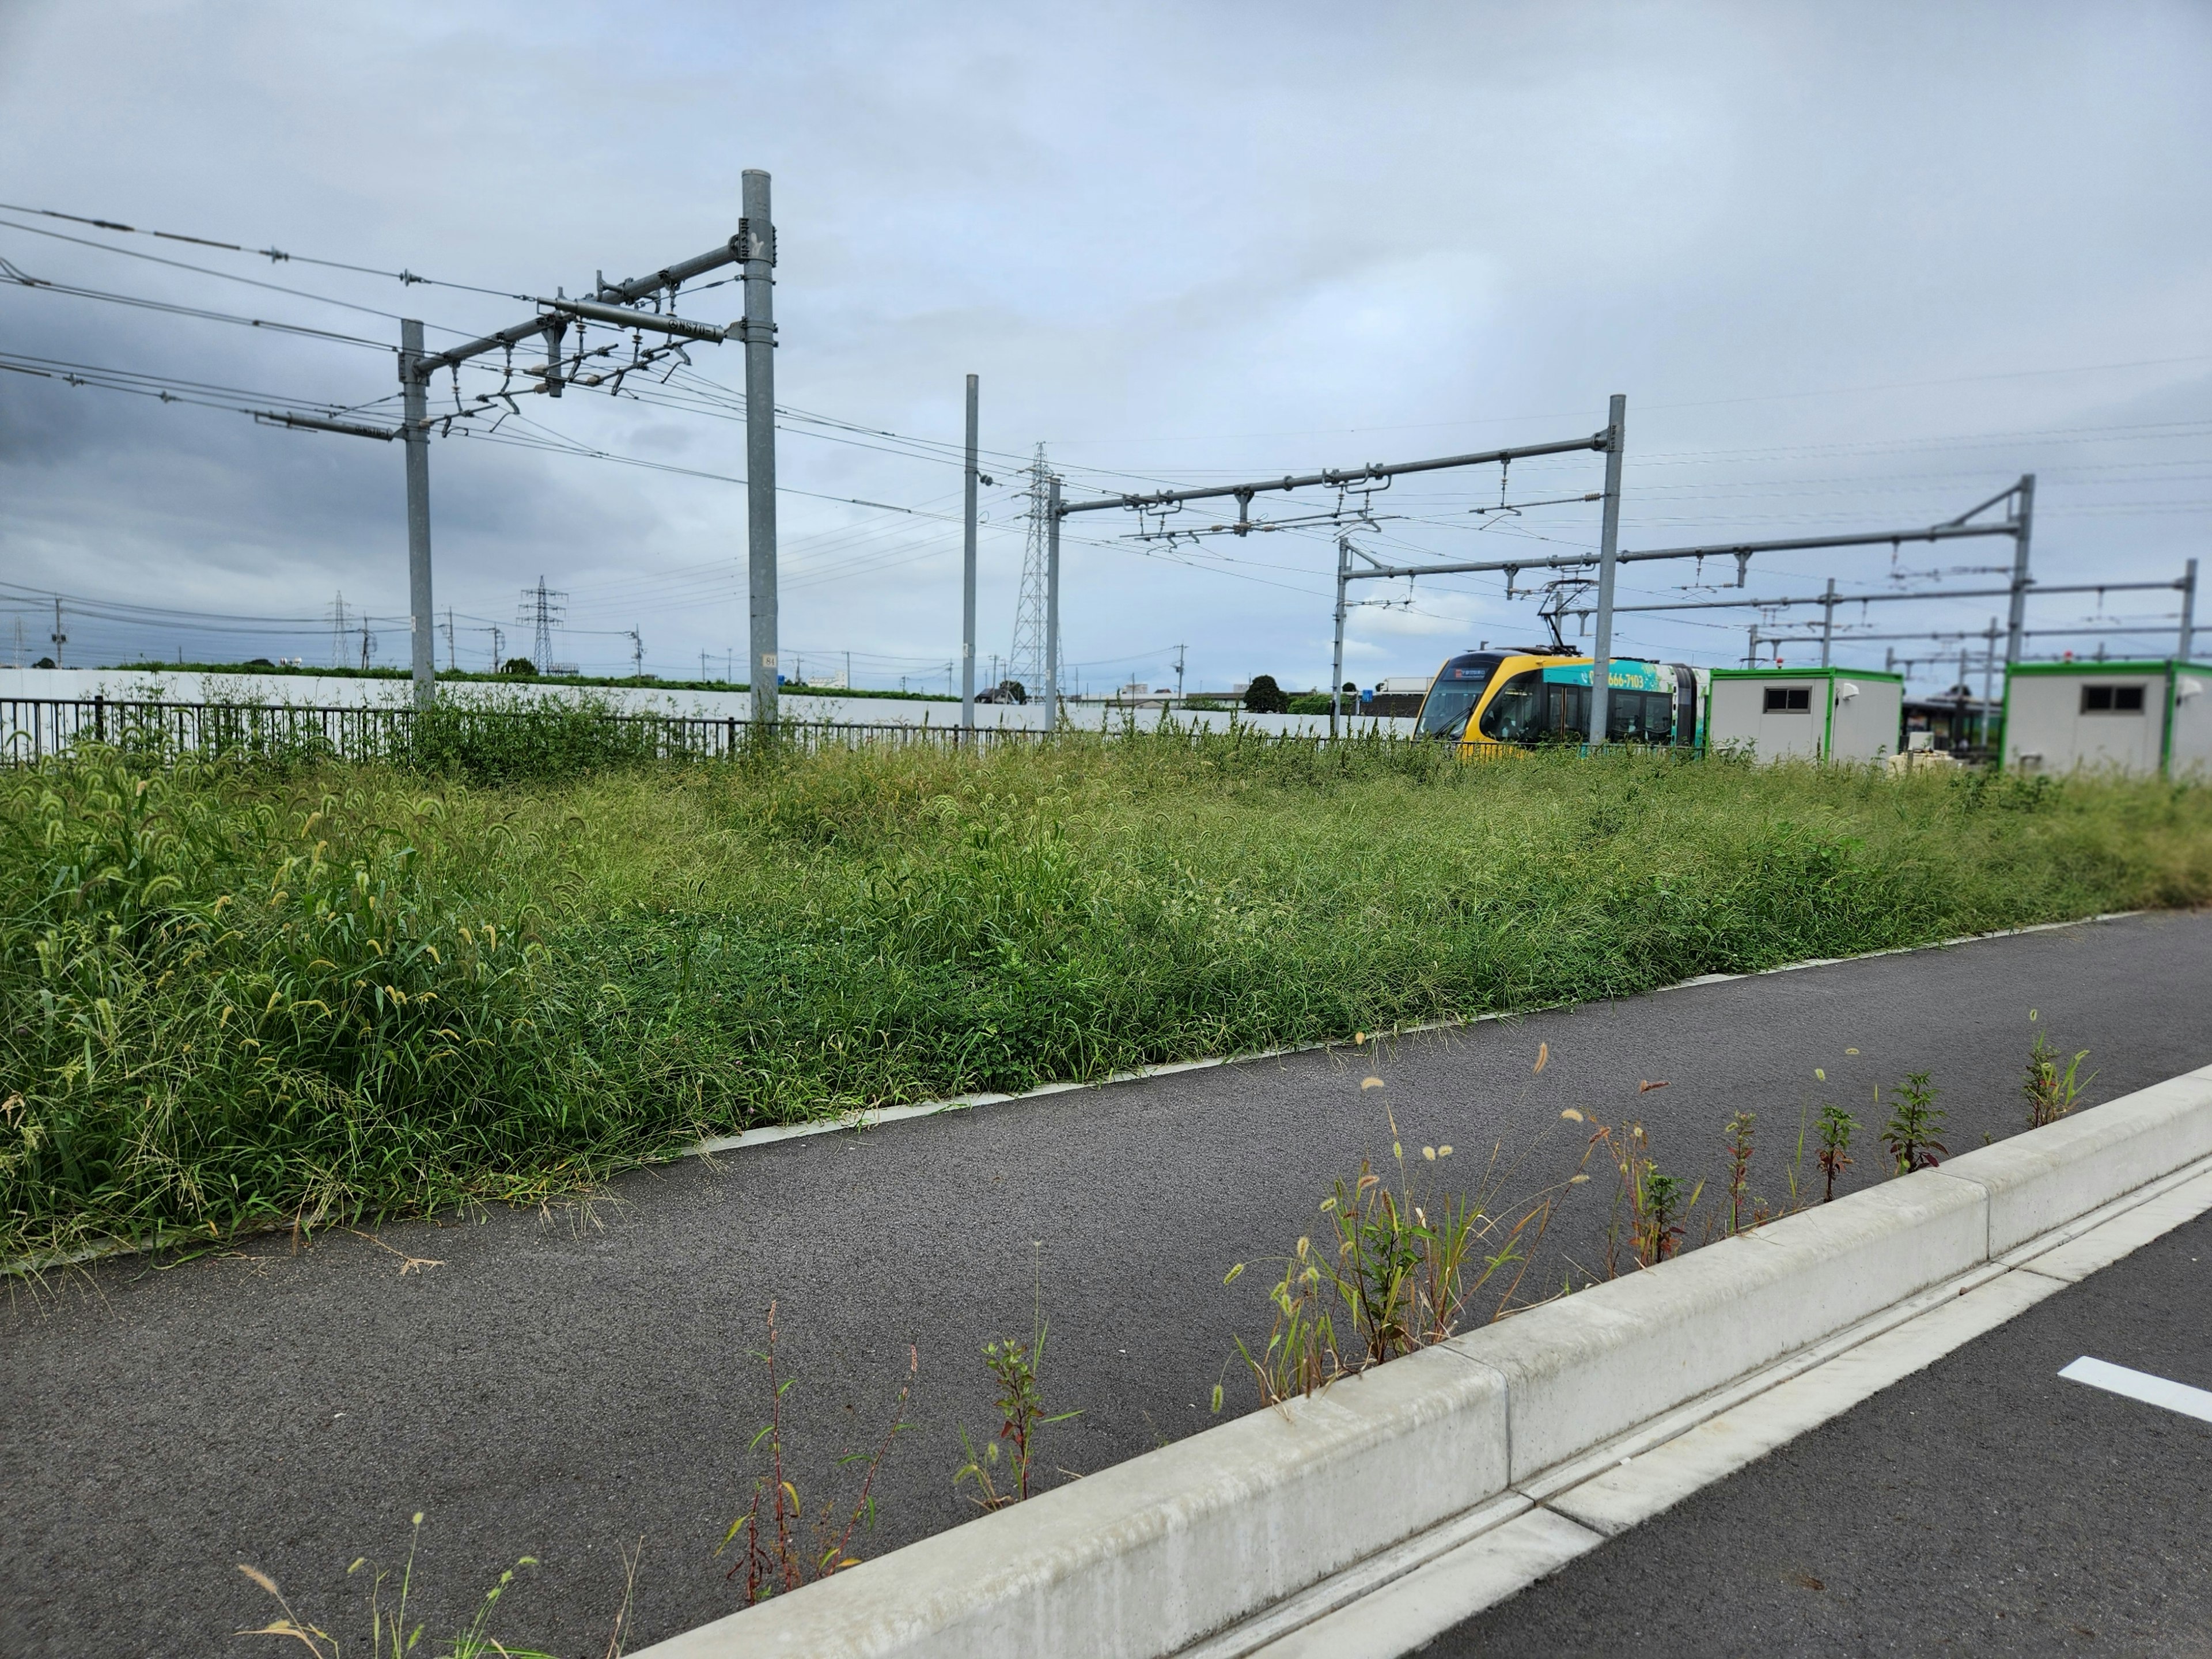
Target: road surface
x=574, y=1382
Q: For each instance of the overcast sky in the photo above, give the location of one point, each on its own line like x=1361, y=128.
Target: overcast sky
x=1853, y=266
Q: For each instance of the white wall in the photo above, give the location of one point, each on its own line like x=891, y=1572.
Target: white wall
x=1865, y=726
x=2046, y=730
x=1736, y=713
x=2192, y=724
x=332, y=691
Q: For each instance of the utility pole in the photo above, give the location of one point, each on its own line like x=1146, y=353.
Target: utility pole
x=414, y=389
x=1609, y=561
x=367, y=644
x=452, y=651
x=2023, y=516
x=968, y=576
x=637, y=658
x=2188, y=642
x=338, y=631
x=498, y=648
x=1828, y=621
x=1988, y=676
x=1051, y=607
x=1179, y=651
x=1751, y=650
x=60, y=638
x=756, y=232
x=1336, y=655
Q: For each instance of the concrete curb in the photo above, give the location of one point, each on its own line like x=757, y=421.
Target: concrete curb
x=1397, y=1468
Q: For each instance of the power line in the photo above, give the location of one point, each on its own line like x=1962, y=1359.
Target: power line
x=273, y=255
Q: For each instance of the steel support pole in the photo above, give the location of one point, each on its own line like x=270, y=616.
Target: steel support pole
x=1989, y=677
x=1052, y=606
x=414, y=400
x=759, y=234
x=968, y=579
x=1827, y=621
x=2187, y=642
x=1616, y=434
x=1336, y=660
x=2023, y=518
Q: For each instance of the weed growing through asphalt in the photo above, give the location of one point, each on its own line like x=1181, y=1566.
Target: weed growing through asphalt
x=2052, y=1093
x=1405, y=1265
x=1737, y=1139
x=775, y=1554
x=1015, y=1365
x=389, y=1635
x=1651, y=1207
x=1915, y=1121
x=1837, y=1126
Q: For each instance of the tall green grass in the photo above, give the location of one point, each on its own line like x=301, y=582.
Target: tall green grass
x=238, y=996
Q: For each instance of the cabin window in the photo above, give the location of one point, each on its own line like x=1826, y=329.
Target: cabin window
x=1516, y=713
x=2111, y=700
x=1639, y=716
x=1789, y=699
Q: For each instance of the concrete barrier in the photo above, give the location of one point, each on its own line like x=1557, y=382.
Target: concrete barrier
x=1150, y=1555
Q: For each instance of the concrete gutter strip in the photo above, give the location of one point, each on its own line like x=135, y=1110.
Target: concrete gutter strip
x=1389, y=1475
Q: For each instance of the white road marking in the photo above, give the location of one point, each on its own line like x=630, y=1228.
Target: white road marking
x=2141, y=1385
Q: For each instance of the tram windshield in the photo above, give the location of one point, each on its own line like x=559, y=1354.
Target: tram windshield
x=1452, y=695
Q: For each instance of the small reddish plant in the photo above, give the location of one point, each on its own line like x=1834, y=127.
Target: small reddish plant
x=1837, y=1126
x=1015, y=1365
x=775, y=1556
x=1915, y=1121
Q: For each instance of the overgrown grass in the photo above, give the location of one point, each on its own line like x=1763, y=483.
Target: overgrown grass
x=237, y=997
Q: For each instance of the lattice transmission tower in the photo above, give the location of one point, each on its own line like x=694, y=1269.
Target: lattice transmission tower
x=542, y=611
x=1027, y=662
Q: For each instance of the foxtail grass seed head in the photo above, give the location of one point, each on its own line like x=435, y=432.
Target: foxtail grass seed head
x=1543, y=1058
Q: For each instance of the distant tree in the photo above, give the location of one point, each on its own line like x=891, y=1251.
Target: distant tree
x=1264, y=696
x=44, y=662
x=521, y=666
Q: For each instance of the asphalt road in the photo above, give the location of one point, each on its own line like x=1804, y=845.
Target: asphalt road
x=571, y=1382
x=1981, y=1506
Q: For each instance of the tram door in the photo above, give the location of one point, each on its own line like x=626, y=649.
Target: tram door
x=1567, y=713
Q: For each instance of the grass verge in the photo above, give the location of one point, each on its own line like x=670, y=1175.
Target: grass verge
x=241, y=996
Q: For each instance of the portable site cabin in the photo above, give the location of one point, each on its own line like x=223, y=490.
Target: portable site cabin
x=2137, y=716
x=1814, y=713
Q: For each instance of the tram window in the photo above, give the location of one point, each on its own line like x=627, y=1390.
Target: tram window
x=1515, y=713
x=1639, y=716
x=1789, y=699
x=2111, y=700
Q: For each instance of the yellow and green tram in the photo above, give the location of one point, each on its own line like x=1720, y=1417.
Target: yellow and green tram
x=1494, y=701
